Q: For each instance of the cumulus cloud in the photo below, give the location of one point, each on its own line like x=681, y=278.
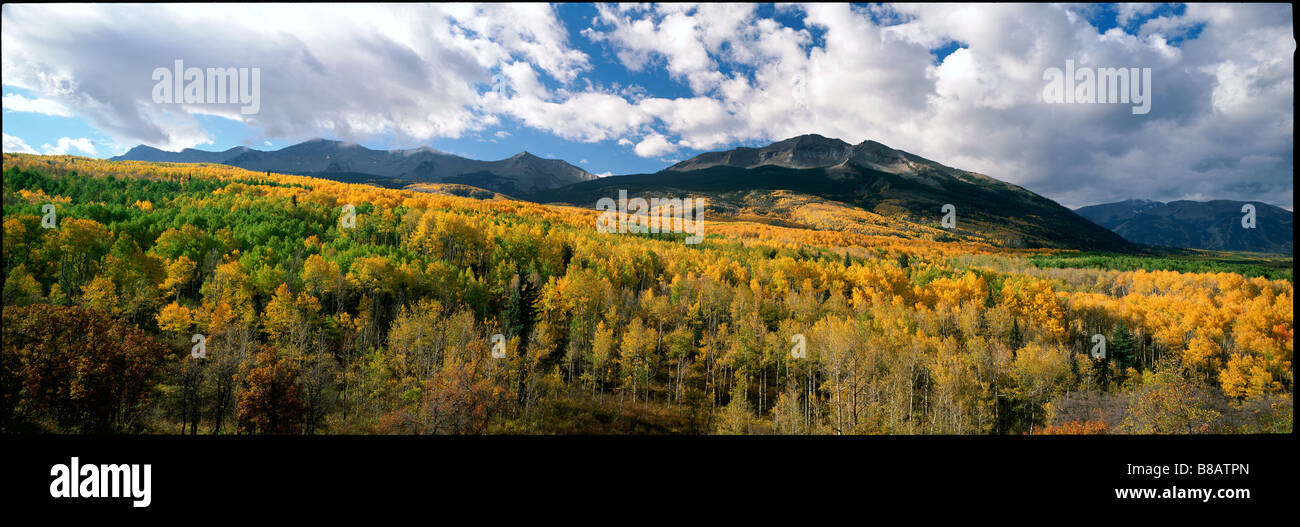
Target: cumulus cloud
x=686, y=38
x=1128, y=11
x=1221, y=121
x=654, y=145
x=18, y=103
x=869, y=73
x=352, y=72
x=17, y=145
x=65, y=144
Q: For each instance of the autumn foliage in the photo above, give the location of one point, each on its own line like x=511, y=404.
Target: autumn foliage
x=387, y=327
x=73, y=369
x=271, y=402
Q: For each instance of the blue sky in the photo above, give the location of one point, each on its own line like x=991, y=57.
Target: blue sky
x=619, y=90
x=599, y=157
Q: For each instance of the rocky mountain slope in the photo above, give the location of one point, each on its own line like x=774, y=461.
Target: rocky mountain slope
x=884, y=181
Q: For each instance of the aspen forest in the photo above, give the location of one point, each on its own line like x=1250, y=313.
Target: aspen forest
x=208, y=299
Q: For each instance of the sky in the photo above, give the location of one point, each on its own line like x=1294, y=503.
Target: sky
x=633, y=88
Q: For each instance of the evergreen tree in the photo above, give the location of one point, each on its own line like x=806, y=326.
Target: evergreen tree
x=1121, y=347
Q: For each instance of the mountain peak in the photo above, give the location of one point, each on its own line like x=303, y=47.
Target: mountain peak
x=802, y=151
x=812, y=140
x=186, y=155
x=522, y=172
x=883, y=181
x=144, y=148
x=421, y=150
x=809, y=151
x=817, y=151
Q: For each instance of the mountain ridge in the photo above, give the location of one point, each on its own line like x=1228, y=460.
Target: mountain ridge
x=1187, y=224
x=870, y=176
x=522, y=172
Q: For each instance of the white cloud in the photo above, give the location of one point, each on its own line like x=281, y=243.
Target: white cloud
x=531, y=31
x=18, y=103
x=1128, y=11
x=654, y=145
x=319, y=65
x=14, y=144
x=587, y=116
x=1222, y=119
x=1220, y=98
x=66, y=144
x=686, y=37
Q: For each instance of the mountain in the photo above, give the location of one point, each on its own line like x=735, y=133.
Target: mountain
x=1110, y=215
x=188, y=155
x=884, y=181
x=521, y=173
x=805, y=151
x=1211, y=225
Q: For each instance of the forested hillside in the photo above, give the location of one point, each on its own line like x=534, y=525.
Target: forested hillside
x=1213, y=225
x=353, y=163
x=907, y=189
x=188, y=298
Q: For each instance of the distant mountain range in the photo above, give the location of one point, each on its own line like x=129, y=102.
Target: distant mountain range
x=883, y=181
x=188, y=155
x=1211, y=225
x=869, y=187
x=521, y=173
